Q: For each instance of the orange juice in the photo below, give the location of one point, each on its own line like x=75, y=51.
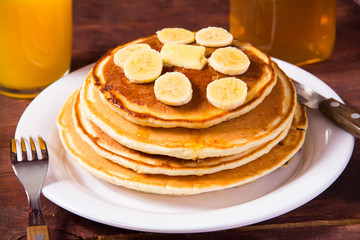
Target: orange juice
x=35, y=44
x=297, y=31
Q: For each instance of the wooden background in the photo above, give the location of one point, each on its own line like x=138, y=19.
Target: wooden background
x=100, y=25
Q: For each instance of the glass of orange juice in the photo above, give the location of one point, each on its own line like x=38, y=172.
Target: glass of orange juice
x=297, y=31
x=35, y=45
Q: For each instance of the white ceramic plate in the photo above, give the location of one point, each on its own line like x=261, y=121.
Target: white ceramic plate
x=325, y=154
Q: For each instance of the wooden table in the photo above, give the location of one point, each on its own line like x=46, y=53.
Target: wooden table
x=100, y=25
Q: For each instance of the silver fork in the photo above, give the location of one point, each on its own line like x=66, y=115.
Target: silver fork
x=31, y=173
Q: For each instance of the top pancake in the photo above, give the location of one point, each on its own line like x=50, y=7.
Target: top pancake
x=137, y=102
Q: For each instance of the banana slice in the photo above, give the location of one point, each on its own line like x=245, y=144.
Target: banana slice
x=143, y=66
x=213, y=37
x=226, y=93
x=124, y=53
x=173, y=88
x=175, y=35
x=187, y=56
x=229, y=60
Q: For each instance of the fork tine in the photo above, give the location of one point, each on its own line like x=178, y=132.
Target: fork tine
x=23, y=150
x=43, y=148
x=33, y=149
x=13, y=152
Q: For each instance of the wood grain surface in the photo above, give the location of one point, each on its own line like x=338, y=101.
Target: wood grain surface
x=101, y=25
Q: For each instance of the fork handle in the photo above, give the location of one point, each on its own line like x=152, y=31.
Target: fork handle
x=38, y=232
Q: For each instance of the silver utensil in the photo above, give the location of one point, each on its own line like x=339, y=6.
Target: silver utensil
x=31, y=173
x=341, y=114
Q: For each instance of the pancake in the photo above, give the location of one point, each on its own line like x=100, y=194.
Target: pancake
x=138, y=104
x=157, y=164
x=254, y=128
x=114, y=173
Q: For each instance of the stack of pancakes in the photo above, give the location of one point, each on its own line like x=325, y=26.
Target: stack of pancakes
x=118, y=131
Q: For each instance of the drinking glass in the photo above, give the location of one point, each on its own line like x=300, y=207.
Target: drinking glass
x=35, y=45
x=297, y=31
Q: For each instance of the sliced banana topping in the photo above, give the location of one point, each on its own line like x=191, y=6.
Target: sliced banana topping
x=173, y=88
x=143, y=66
x=187, y=56
x=226, y=93
x=124, y=53
x=175, y=35
x=214, y=37
x=230, y=61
